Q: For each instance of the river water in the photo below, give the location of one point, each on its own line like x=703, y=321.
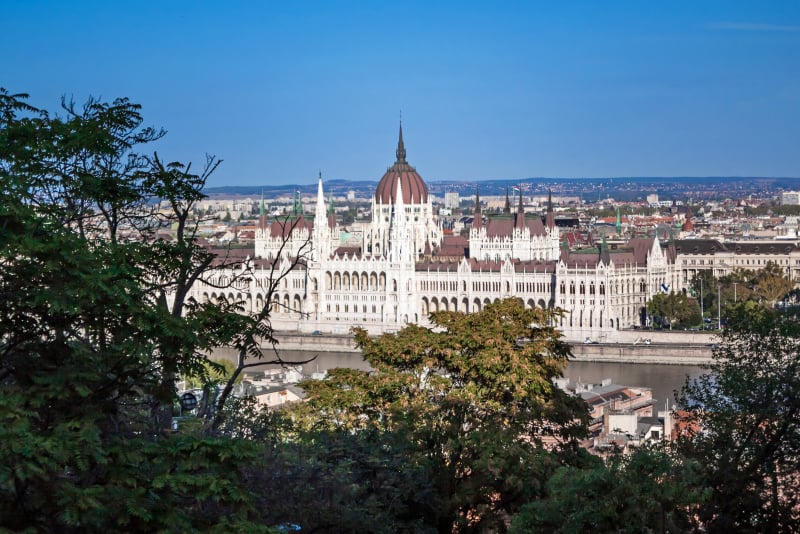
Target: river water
x=662, y=379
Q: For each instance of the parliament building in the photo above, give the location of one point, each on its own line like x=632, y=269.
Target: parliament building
x=406, y=268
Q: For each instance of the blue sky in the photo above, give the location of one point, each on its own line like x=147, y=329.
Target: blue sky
x=282, y=90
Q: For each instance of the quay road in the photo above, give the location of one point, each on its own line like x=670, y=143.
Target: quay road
x=656, y=352
x=665, y=348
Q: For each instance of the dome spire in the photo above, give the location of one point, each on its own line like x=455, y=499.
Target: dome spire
x=401, y=148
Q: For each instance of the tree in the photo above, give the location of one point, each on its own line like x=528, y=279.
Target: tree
x=652, y=490
x=747, y=412
x=475, y=401
x=737, y=286
x=217, y=372
x=95, y=326
x=705, y=286
x=772, y=282
x=674, y=309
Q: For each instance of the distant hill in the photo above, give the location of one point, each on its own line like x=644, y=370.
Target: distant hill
x=619, y=188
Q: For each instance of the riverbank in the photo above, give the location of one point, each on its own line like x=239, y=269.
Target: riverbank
x=664, y=348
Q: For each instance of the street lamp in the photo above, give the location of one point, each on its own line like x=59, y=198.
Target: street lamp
x=719, y=315
x=702, y=311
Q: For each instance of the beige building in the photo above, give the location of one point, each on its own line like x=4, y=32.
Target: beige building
x=722, y=258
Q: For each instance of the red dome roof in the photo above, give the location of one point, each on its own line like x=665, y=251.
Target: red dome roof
x=414, y=189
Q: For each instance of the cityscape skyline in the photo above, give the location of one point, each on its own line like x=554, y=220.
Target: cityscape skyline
x=281, y=92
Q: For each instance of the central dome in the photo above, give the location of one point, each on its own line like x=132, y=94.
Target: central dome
x=414, y=189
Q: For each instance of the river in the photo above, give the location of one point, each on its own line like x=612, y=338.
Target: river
x=662, y=379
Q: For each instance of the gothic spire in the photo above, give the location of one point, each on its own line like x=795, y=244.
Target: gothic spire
x=520, y=218
x=401, y=148
x=262, y=213
x=605, y=256
x=297, y=206
x=550, y=218
x=320, y=199
x=477, y=221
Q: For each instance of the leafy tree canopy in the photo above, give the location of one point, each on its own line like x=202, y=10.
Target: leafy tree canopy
x=747, y=410
x=674, y=309
x=90, y=345
x=473, y=397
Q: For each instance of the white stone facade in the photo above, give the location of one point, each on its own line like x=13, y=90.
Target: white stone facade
x=395, y=276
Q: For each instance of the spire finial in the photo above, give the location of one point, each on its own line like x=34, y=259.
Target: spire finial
x=401, y=148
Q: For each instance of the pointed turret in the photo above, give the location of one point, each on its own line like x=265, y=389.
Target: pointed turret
x=507, y=207
x=319, y=214
x=401, y=148
x=565, y=250
x=321, y=235
x=520, y=222
x=397, y=233
x=618, y=224
x=297, y=205
x=400, y=206
x=478, y=220
x=605, y=255
x=262, y=213
x=331, y=214
x=550, y=217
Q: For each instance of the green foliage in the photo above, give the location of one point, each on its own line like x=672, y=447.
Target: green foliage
x=649, y=491
x=90, y=345
x=766, y=286
x=772, y=282
x=473, y=400
x=749, y=412
x=705, y=286
x=675, y=309
x=215, y=372
x=342, y=482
